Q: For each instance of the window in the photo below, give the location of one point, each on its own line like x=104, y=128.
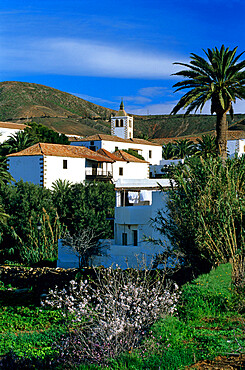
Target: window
x=92, y=142
x=150, y=153
x=120, y=171
x=117, y=123
x=65, y=164
x=124, y=239
x=121, y=122
x=116, y=148
x=130, y=123
x=135, y=237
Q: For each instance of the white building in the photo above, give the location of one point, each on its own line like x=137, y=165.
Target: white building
x=126, y=166
x=236, y=143
x=43, y=164
x=7, y=129
x=122, y=138
x=137, y=202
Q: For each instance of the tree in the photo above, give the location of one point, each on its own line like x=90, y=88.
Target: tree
x=206, y=146
x=43, y=134
x=17, y=142
x=27, y=204
x=183, y=148
x=85, y=244
x=88, y=205
x=168, y=151
x=221, y=79
x=205, y=218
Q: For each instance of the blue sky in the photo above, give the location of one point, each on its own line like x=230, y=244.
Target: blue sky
x=104, y=50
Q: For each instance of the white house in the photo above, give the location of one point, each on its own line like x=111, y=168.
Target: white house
x=126, y=166
x=122, y=138
x=7, y=129
x=236, y=143
x=45, y=163
x=137, y=202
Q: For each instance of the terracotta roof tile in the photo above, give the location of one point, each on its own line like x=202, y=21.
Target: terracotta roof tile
x=109, y=154
x=59, y=150
x=121, y=155
x=11, y=125
x=128, y=157
x=117, y=139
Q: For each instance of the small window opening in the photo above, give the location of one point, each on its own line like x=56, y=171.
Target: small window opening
x=117, y=123
x=120, y=171
x=65, y=164
x=150, y=153
x=121, y=122
x=124, y=239
x=135, y=237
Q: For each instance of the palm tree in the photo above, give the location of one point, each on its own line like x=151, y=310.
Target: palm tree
x=220, y=79
x=168, y=151
x=206, y=146
x=184, y=148
x=17, y=142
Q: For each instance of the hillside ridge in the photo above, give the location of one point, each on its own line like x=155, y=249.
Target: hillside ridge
x=23, y=102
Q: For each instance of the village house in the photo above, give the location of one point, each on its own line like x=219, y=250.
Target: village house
x=122, y=138
x=43, y=164
x=137, y=203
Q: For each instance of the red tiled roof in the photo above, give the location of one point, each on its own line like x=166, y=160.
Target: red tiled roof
x=59, y=150
x=128, y=157
x=117, y=139
x=13, y=126
x=121, y=155
x=109, y=155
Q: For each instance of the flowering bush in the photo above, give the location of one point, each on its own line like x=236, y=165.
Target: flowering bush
x=114, y=312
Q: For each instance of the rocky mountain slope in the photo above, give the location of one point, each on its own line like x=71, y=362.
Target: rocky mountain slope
x=24, y=102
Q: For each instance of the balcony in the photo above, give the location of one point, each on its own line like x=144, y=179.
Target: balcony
x=97, y=174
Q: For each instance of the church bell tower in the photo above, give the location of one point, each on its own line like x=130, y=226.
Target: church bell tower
x=122, y=124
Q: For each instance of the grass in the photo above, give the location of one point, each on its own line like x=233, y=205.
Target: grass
x=207, y=325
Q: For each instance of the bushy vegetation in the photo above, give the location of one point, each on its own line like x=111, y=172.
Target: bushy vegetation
x=67, y=208
x=206, y=324
x=205, y=219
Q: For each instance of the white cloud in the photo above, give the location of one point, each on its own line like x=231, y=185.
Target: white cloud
x=83, y=57
x=153, y=91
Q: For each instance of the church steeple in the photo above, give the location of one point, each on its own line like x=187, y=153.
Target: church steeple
x=122, y=124
x=121, y=112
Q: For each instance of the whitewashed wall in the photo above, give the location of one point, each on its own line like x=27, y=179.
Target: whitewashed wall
x=131, y=170
x=27, y=168
x=138, y=217
x=5, y=133
x=112, y=146
x=53, y=170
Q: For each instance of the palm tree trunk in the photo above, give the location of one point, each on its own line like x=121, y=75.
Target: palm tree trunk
x=221, y=134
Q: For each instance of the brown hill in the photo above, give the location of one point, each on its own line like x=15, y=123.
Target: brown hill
x=23, y=102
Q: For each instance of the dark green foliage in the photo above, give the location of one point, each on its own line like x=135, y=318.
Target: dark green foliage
x=220, y=79
x=183, y=148
x=40, y=133
x=85, y=206
x=206, y=147
x=134, y=153
x=17, y=142
x=26, y=204
x=206, y=211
